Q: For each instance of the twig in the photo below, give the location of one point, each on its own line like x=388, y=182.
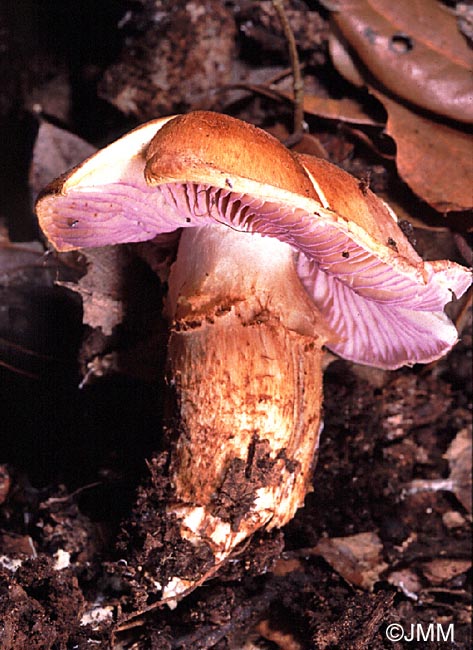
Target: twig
x=26, y=351
x=280, y=75
x=298, y=84
x=72, y=495
x=18, y=371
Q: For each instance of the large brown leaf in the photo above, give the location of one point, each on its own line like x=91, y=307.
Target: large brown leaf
x=435, y=159
x=414, y=48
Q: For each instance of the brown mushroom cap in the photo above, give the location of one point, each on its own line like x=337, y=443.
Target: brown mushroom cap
x=384, y=303
x=203, y=148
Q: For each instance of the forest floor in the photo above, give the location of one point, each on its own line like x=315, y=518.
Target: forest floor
x=383, y=543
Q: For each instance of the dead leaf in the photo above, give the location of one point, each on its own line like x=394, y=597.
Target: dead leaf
x=459, y=459
x=407, y=581
x=342, y=59
x=434, y=159
x=444, y=569
x=356, y=558
x=345, y=109
x=414, y=48
x=12, y=544
x=101, y=287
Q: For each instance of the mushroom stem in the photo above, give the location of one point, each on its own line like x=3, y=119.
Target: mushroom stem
x=247, y=380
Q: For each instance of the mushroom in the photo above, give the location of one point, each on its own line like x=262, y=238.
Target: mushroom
x=279, y=254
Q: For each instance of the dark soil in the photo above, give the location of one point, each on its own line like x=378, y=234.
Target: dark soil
x=83, y=460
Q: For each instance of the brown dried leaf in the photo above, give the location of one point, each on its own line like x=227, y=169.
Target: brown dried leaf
x=444, y=569
x=101, y=287
x=459, y=458
x=342, y=59
x=414, y=48
x=407, y=581
x=434, y=159
x=344, y=109
x=425, y=149
x=356, y=558
x=12, y=544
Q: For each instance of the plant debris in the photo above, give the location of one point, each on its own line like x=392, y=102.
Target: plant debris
x=405, y=53
x=356, y=558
